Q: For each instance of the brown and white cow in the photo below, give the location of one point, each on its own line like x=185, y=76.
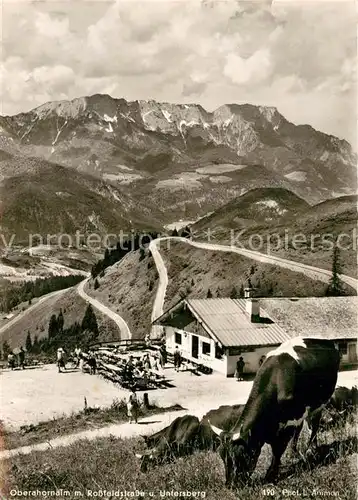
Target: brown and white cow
x=295, y=381
x=186, y=434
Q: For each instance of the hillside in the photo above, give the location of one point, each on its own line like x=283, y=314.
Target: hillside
x=180, y=160
x=194, y=271
x=129, y=287
x=283, y=218
x=36, y=320
x=56, y=201
x=260, y=206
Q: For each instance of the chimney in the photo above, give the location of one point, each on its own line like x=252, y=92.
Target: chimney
x=252, y=305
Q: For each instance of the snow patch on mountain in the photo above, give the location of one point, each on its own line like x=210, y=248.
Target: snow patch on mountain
x=297, y=176
x=109, y=128
x=167, y=115
x=127, y=117
x=65, y=109
x=268, y=112
x=59, y=130
x=272, y=204
x=110, y=119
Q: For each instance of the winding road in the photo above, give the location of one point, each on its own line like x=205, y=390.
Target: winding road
x=10, y=323
x=309, y=271
x=154, y=247
x=120, y=322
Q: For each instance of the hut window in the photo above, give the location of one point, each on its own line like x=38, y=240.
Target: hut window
x=177, y=338
x=218, y=351
x=206, y=348
x=342, y=347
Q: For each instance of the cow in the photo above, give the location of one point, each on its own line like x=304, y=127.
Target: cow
x=186, y=434
x=340, y=406
x=177, y=439
x=294, y=381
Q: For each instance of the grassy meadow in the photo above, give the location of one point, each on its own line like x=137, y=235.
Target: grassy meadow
x=90, y=467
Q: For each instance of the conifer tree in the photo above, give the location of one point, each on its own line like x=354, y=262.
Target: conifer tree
x=89, y=321
x=335, y=287
x=28, y=343
x=52, y=327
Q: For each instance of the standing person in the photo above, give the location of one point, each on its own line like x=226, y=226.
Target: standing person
x=132, y=406
x=22, y=358
x=60, y=359
x=77, y=356
x=146, y=362
x=81, y=361
x=163, y=356
x=240, y=364
x=177, y=359
x=11, y=360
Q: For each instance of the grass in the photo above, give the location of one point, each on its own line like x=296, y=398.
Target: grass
x=129, y=289
x=89, y=418
x=110, y=464
x=193, y=271
x=36, y=320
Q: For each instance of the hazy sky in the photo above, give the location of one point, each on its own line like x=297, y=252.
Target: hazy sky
x=297, y=56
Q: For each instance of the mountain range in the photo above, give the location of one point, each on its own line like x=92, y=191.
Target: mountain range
x=110, y=162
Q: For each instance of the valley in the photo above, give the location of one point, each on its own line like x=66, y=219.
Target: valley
x=95, y=170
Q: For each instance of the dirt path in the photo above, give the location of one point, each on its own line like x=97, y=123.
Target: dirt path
x=310, y=271
x=31, y=308
x=196, y=394
x=122, y=325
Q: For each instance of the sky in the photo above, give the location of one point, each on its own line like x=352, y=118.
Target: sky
x=297, y=56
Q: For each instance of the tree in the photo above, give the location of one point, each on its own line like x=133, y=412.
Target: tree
x=252, y=270
x=60, y=322
x=28, y=343
x=335, y=287
x=233, y=293
x=241, y=291
x=52, y=327
x=175, y=232
x=35, y=345
x=89, y=321
x=209, y=294
x=6, y=349
x=192, y=282
x=96, y=284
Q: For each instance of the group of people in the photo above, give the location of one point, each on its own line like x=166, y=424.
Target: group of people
x=11, y=359
x=81, y=360
x=141, y=367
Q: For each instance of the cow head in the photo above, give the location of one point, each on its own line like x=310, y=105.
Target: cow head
x=237, y=458
x=148, y=458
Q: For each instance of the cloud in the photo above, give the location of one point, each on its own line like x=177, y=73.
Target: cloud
x=216, y=51
x=193, y=88
x=255, y=69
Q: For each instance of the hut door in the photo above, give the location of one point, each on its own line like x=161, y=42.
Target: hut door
x=352, y=353
x=194, y=346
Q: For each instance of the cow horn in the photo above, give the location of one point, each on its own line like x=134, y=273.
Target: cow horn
x=236, y=436
x=216, y=429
